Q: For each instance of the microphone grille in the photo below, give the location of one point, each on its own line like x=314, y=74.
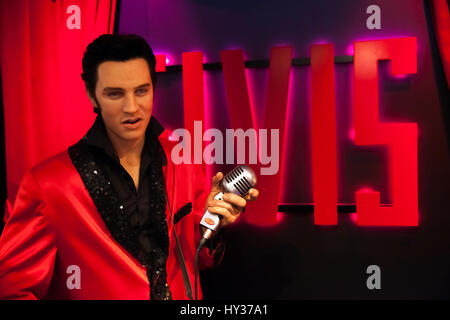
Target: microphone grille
x=239, y=180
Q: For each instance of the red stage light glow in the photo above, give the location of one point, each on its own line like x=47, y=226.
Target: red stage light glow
x=161, y=62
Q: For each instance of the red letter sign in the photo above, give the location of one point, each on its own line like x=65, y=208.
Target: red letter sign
x=400, y=138
x=193, y=98
x=323, y=134
x=261, y=212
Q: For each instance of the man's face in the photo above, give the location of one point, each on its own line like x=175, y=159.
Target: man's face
x=124, y=92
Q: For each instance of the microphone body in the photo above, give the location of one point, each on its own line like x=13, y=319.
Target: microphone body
x=238, y=181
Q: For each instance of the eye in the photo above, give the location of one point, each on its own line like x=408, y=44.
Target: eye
x=114, y=94
x=141, y=92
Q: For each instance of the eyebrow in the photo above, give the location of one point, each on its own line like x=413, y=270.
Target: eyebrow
x=118, y=88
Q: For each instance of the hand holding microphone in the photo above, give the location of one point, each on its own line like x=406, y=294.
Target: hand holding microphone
x=228, y=197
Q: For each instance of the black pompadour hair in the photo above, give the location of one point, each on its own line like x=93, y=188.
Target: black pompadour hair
x=108, y=47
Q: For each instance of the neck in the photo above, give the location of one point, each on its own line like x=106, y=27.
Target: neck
x=128, y=151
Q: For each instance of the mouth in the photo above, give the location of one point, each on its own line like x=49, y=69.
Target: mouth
x=131, y=121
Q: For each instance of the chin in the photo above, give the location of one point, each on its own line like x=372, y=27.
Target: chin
x=135, y=135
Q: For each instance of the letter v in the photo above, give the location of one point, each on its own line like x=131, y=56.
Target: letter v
x=261, y=212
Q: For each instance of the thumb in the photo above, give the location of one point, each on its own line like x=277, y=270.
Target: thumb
x=215, y=186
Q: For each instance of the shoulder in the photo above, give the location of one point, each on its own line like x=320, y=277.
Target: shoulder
x=54, y=168
x=33, y=188
x=57, y=160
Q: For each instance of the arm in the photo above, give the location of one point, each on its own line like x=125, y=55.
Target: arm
x=211, y=255
x=27, y=250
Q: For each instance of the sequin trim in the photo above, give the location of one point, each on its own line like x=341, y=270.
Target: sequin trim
x=149, y=243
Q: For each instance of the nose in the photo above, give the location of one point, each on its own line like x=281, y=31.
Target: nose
x=130, y=104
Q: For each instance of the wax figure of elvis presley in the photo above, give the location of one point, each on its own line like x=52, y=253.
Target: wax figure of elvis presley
x=100, y=208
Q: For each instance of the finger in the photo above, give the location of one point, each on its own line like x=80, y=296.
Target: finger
x=223, y=204
x=235, y=200
x=215, y=186
x=252, y=195
x=222, y=212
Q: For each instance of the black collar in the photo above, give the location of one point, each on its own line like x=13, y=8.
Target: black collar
x=98, y=137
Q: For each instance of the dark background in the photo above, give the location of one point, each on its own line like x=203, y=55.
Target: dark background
x=296, y=259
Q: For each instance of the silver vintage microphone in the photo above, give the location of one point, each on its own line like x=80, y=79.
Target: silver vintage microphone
x=238, y=181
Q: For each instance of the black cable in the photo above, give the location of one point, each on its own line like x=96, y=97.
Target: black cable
x=187, y=282
x=196, y=274
x=200, y=246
